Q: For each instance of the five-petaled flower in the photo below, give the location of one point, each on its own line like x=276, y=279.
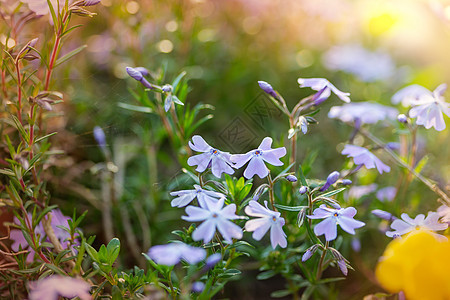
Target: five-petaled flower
x=257, y=158
x=363, y=156
x=407, y=224
x=184, y=197
x=334, y=217
x=215, y=216
x=267, y=219
x=171, y=254
x=324, y=88
x=218, y=161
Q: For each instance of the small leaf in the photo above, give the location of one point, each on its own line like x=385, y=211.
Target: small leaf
x=332, y=193
x=69, y=55
x=280, y=293
x=290, y=208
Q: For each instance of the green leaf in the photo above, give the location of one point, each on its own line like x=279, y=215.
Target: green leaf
x=70, y=29
x=302, y=176
x=280, y=293
x=7, y=172
x=266, y=275
x=69, y=55
x=113, y=250
x=332, y=193
x=56, y=269
x=290, y=208
x=308, y=292
x=131, y=107
x=229, y=273
x=177, y=80
x=44, y=137
x=328, y=280
x=52, y=12
x=421, y=164
x=92, y=252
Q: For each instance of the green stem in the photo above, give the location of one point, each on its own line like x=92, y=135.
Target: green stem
x=319, y=269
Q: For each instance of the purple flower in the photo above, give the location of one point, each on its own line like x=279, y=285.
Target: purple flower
x=334, y=217
x=171, y=254
x=324, y=87
x=383, y=215
x=387, y=193
x=431, y=222
x=409, y=95
x=257, y=158
x=215, y=216
x=185, y=197
x=267, y=88
x=53, y=287
x=198, y=287
x=343, y=266
x=90, y=2
x=366, y=65
x=358, y=191
x=429, y=109
x=267, y=219
x=364, y=112
x=218, y=161
x=213, y=260
x=331, y=179
x=363, y=156
x=100, y=137
x=59, y=220
x=19, y=240
x=136, y=74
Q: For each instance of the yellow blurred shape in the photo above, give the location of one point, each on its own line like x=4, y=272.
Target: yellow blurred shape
x=9, y=42
x=132, y=7
x=447, y=12
x=165, y=46
x=251, y=25
x=206, y=35
x=171, y=26
x=381, y=23
x=304, y=58
x=418, y=265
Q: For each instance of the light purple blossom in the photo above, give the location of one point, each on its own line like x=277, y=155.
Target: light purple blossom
x=407, y=224
x=387, y=193
x=171, y=254
x=291, y=178
x=331, y=179
x=257, y=157
x=267, y=219
x=324, y=87
x=213, y=260
x=303, y=189
x=363, y=156
x=429, y=109
x=58, y=219
x=410, y=94
x=53, y=287
x=100, y=137
x=444, y=213
x=334, y=217
x=346, y=182
x=366, y=65
x=214, y=216
x=358, y=191
x=218, y=161
x=363, y=112
x=184, y=197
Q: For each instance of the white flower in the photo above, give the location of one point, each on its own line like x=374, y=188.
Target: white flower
x=431, y=222
x=267, y=219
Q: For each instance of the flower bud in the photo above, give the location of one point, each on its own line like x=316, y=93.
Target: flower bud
x=302, y=190
x=346, y=182
x=100, y=137
x=383, y=214
x=167, y=88
x=267, y=88
x=135, y=74
x=309, y=252
x=291, y=178
x=343, y=267
x=331, y=179
x=402, y=118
